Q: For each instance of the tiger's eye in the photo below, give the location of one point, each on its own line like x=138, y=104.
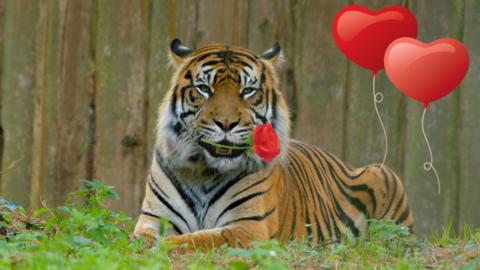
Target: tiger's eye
x=248, y=92
x=204, y=89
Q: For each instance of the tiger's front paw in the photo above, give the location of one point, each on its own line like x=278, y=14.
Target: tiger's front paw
x=148, y=235
x=181, y=244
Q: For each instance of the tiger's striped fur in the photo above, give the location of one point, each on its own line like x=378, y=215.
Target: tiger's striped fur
x=212, y=197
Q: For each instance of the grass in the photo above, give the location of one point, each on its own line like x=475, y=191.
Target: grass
x=84, y=234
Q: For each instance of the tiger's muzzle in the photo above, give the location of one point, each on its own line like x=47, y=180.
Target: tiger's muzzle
x=224, y=152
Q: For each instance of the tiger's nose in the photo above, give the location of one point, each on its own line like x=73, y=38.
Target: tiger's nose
x=225, y=125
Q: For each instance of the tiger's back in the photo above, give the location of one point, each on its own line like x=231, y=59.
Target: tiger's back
x=322, y=197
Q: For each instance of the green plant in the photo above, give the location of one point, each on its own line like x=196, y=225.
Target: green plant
x=85, y=234
x=82, y=234
x=266, y=255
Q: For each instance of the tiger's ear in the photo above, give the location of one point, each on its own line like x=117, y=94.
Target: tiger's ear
x=274, y=55
x=178, y=52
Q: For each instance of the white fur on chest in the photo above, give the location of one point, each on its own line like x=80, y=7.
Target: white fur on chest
x=210, y=210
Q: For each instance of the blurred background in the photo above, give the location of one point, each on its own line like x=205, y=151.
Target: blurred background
x=81, y=82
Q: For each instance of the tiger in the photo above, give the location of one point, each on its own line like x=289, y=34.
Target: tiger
x=213, y=196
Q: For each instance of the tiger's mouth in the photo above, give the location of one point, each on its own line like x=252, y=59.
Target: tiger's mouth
x=223, y=152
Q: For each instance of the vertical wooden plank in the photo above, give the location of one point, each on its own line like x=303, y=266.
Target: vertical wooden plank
x=2, y=40
x=263, y=24
x=225, y=23
x=320, y=70
x=18, y=97
x=72, y=106
x=121, y=51
x=185, y=23
x=470, y=114
x=46, y=48
x=433, y=211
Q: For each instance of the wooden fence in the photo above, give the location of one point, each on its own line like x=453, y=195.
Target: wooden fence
x=81, y=82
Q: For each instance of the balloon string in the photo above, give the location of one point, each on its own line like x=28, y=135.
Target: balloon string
x=378, y=98
x=427, y=166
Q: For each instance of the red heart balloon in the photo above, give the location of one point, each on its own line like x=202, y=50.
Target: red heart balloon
x=426, y=72
x=364, y=35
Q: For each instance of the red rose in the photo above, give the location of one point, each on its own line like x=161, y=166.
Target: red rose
x=265, y=142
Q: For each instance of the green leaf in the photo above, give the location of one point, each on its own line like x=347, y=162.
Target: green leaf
x=239, y=265
x=249, y=140
x=81, y=240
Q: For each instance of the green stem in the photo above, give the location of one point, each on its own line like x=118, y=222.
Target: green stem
x=224, y=146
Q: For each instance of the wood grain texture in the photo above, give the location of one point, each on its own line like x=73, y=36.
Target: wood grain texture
x=121, y=63
x=2, y=40
x=469, y=180
x=18, y=84
x=221, y=21
x=48, y=32
x=72, y=106
x=265, y=24
x=184, y=22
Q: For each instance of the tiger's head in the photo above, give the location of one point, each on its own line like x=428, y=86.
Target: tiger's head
x=220, y=93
